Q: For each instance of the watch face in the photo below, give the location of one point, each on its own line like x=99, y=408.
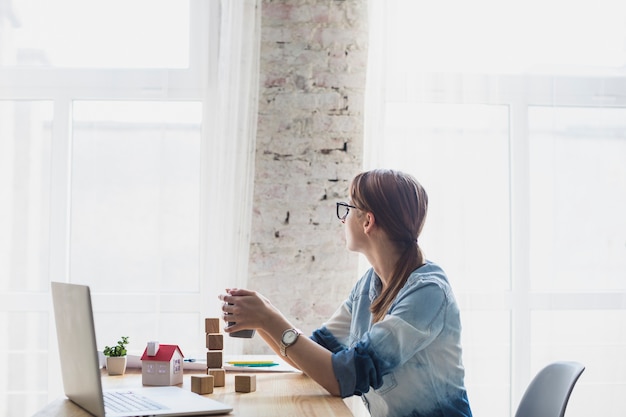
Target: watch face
x=290, y=337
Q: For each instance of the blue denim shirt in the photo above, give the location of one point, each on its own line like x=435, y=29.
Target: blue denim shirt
x=408, y=364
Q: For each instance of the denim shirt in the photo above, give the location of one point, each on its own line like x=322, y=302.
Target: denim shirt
x=408, y=364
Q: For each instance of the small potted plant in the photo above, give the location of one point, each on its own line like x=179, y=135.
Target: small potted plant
x=116, y=357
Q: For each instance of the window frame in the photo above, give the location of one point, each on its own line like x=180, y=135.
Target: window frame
x=63, y=86
x=519, y=92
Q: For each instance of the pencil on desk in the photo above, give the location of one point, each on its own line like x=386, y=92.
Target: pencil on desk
x=251, y=362
x=254, y=365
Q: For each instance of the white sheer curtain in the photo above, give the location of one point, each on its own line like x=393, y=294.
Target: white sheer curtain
x=229, y=150
x=512, y=117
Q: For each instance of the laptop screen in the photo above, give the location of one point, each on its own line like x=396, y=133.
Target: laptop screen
x=77, y=346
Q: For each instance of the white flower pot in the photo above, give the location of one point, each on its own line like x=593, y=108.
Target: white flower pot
x=116, y=365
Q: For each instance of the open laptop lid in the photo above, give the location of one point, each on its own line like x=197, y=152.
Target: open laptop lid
x=77, y=346
x=81, y=370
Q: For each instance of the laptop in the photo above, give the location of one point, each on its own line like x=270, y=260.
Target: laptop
x=81, y=372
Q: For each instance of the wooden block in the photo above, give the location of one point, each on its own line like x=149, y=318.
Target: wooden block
x=214, y=341
x=202, y=384
x=245, y=383
x=219, y=376
x=211, y=325
x=214, y=359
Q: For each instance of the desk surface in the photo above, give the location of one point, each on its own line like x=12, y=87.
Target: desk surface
x=277, y=394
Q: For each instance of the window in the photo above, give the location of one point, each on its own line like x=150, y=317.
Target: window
x=134, y=222
x=577, y=198
x=517, y=132
x=78, y=34
x=25, y=191
x=103, y=156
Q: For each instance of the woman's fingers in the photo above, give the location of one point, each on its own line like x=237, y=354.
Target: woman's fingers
x=244, y=308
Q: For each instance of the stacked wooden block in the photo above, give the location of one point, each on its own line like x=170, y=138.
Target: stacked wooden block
x=214, y=344
x=216, y=376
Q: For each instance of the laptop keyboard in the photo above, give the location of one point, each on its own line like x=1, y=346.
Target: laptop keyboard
x=119, y=401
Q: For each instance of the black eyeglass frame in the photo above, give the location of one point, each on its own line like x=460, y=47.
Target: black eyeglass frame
x=347, y=207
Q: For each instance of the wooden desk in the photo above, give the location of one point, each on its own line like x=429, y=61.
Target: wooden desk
x=277, y=394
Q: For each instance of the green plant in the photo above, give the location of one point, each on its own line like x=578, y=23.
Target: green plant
x=118, y=350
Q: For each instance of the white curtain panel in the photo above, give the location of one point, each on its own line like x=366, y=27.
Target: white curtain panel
x=229, y=148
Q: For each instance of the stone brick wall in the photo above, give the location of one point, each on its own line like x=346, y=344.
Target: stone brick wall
x=309, y=146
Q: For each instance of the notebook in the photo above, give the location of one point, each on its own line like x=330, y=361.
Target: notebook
x=81, y=373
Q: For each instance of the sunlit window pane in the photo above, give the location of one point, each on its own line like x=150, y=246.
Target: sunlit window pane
x=486, y=356
x=25, y=155
x=493, y=37
x=460, y=155
x=95, y=34
x=595, y=338
x=578, y=198
x=146, y=325
x=135, y=196
x=24, y=359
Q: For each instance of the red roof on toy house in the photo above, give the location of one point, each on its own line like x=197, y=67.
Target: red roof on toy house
x=164, y=354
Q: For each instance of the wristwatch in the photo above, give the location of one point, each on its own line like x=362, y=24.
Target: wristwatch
x=290, y=336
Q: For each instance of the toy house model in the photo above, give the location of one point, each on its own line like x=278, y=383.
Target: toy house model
x=162, y=365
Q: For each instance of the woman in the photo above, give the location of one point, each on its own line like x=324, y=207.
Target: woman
x=396, y=339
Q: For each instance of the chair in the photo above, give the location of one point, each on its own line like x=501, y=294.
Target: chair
x=549, y=391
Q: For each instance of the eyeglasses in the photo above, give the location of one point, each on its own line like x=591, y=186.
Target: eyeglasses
x=343, y=209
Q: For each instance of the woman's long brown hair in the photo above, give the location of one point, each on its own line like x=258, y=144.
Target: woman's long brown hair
x=399, y=204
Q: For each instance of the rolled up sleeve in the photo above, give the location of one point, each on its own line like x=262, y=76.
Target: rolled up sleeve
x=413, y=323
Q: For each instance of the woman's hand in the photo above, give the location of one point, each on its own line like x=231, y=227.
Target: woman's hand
x=247, y=310
x=250, y=310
